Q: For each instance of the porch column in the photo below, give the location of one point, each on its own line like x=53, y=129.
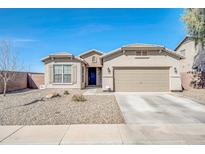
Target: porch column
x=98, y=76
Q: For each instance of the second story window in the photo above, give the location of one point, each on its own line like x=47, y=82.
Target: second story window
x=141, y=53
x=94, y=59
x=144, y=53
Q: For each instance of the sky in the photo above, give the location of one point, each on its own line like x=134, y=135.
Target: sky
x=36, y=33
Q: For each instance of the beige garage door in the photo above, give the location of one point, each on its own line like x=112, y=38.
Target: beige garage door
x=141, y=79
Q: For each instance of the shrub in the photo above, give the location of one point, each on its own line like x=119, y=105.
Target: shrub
x=66, y=92
x=79, y=98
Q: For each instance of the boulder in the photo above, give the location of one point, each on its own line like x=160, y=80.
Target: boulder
x=52, y=95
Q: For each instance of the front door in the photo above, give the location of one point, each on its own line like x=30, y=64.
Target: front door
x=91, y=76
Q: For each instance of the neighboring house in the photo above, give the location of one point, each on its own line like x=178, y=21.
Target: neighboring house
x=187, y=49
x=136, y=67
x=192, y=61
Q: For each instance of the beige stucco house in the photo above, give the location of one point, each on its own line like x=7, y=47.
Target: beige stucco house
x=188, y=49
x=193, y=61
x=135, y=67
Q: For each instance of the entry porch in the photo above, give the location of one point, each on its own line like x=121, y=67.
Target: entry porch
x=93, y=77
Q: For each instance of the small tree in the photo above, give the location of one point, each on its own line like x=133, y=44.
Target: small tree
x=8, y=64
x=194, y=19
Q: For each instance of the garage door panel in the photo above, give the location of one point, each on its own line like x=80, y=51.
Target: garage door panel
x=141, y=79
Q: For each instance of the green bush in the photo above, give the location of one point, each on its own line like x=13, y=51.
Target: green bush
x=78, y=98
x=66, y=92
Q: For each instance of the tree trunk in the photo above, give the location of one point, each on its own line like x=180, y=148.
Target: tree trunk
x=5, y=88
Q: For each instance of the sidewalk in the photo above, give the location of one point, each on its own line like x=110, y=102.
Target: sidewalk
x=104, y=134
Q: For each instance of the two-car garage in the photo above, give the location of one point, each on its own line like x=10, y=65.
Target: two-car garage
x=141, y=68
x=141, y=79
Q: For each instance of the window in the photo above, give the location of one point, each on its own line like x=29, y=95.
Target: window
x=62, y=73
x=138, y=53
x=141, y=53
x=144, y=53
x=57, y=74
x=66, y=74
x=94, y=60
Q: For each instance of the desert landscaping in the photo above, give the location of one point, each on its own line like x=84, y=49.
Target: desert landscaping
x=194, y=94
x=58, y=107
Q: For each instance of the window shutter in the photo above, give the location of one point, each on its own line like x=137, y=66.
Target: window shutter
x=50, y=72
x=74, y=74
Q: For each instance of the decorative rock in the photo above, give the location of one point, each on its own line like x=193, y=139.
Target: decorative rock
x=52, y=95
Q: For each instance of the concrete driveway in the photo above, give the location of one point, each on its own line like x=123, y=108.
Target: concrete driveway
x=152, y=118
x=159, y=108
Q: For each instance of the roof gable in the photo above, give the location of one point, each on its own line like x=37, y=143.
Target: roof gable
x=142, y=45
x=94, y=51
x=184, y=40
x=62, y=55
x=134, y=47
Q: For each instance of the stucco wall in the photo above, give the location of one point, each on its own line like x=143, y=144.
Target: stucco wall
x=98, y=64
x=187, y=63
x=83, y=80
x=130, y=60
x=48, y=71
x=98, y=76
x=88, y=59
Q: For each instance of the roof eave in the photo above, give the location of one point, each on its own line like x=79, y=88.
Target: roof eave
x=181, y=42
x=45, y=58
x=63, y=56
x=173, y=53
x=142, y=45
x=139, y=48
x=92, y=50
x=111, y=53
x=80, y=59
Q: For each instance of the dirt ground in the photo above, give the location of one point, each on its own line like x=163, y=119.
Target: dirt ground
x=17, y=109
x=195, y=94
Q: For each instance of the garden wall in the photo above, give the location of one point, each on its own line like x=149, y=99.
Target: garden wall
x=35, y=80
x=24, y=80
x=186, y=79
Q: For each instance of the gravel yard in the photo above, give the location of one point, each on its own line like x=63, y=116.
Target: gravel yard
x=17, y=109
x=194, y=94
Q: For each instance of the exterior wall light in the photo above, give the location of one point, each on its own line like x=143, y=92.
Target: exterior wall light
x=175, y=70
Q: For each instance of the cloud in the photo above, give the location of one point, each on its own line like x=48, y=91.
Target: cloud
x=18, y=42
x=23, y=40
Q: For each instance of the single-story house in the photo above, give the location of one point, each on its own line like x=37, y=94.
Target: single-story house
x=130, y=68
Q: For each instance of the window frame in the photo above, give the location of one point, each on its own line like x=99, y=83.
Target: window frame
x=94, y=60
x=141, y=53
x=62, y=73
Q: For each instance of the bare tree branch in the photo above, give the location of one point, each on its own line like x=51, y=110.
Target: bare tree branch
x=9, y=64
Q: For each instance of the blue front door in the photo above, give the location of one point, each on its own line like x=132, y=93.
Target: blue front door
x=91, y=76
